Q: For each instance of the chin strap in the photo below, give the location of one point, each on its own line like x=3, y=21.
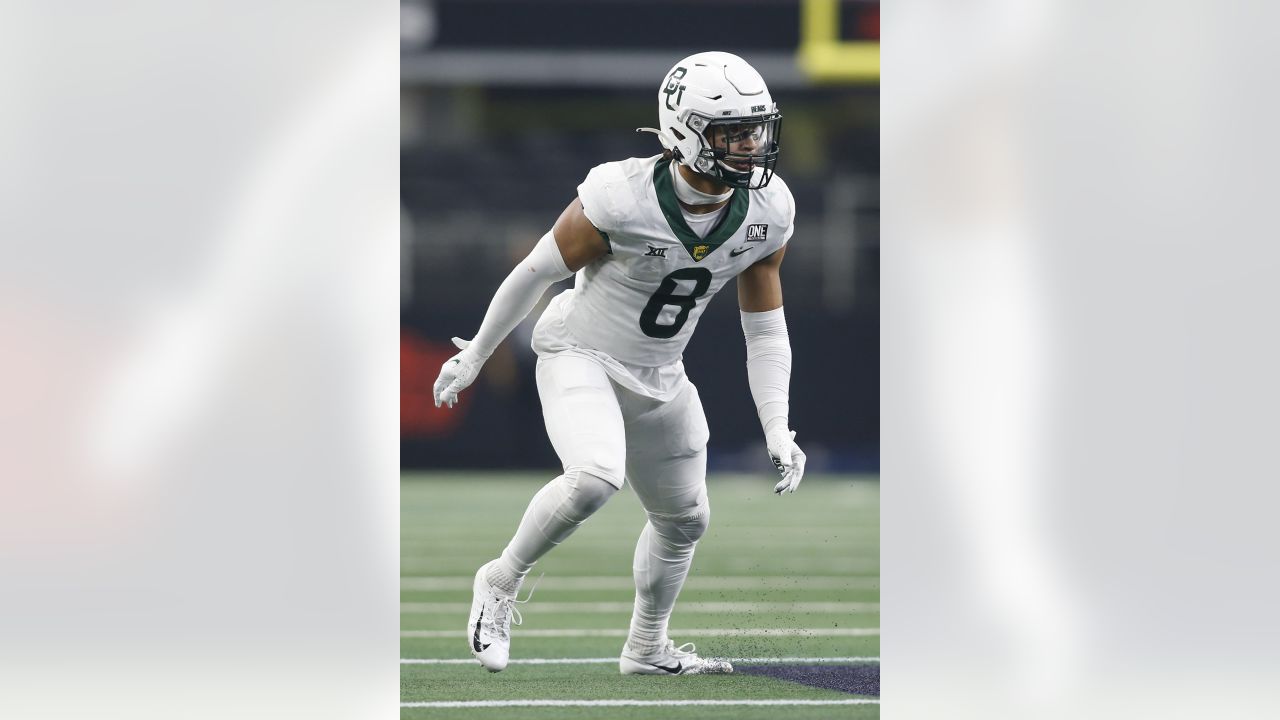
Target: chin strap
x=689, y=195
x=669, y=143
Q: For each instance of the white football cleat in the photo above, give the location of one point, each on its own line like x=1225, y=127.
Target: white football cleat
x=671, y=660
x=489, y=627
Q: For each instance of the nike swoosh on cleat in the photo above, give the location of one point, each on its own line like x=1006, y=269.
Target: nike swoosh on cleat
x=739, y=251
x=674, y=671
x=475, y=639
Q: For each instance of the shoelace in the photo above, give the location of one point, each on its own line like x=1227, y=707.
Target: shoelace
x=505, y=606
x=681, y=650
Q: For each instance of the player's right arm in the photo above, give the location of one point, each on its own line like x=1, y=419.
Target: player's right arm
x=579, y=241
x=572, y=243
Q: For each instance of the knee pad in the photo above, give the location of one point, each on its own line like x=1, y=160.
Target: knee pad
x=684, y=529
x=585, y=493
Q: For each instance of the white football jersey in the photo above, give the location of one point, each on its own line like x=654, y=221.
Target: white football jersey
x=640, y=302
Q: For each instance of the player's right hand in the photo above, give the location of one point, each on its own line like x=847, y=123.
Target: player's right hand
x=457, y=373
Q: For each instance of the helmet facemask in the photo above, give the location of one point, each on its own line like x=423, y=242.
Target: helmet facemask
x=740, y=152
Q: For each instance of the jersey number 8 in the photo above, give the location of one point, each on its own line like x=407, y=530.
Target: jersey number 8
x=666, y=295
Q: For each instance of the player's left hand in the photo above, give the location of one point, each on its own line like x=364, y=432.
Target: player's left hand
x=457, y=373
x=786, y=456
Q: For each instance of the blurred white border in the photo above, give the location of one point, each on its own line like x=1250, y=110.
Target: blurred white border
x=199, y=484
x=1078, y=360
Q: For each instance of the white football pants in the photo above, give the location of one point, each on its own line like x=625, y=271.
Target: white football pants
x=604, y=433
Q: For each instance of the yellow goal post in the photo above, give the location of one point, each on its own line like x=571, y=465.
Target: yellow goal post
x=824, y=57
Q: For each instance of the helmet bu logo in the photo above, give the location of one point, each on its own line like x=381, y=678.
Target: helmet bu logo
x=674, y=87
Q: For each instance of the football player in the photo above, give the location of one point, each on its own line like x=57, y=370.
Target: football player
x=650, y=240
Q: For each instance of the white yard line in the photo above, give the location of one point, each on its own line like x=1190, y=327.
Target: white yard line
x=689, y=607
x=612, y=660
x=746, y=564
x=853, y=546
x=696, y=632
x=625, y=703
x=695, y=582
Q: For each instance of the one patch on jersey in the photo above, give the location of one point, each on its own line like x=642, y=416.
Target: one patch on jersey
x=757, y=232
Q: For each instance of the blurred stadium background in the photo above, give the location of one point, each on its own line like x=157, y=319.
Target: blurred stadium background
x=505, y=106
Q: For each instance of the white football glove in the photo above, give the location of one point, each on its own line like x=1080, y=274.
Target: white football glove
x=457, y=373
x=786, y=456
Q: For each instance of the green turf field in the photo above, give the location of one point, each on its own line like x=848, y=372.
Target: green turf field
x=775, y=580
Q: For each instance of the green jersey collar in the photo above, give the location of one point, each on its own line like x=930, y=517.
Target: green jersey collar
x=728, y=224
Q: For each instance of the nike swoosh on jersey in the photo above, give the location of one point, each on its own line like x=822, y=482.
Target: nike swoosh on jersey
x=739, y=251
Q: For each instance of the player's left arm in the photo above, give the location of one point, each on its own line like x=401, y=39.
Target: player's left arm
x=769, y=364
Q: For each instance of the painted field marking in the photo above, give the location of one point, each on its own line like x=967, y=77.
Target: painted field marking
x=626, y=607
x=614, y=660
x=696, y=582
x=858, y=546
x=625, y=703
x=454, y=564
x=697, y=632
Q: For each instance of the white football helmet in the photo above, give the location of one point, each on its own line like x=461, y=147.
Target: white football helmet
x=715, y=115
